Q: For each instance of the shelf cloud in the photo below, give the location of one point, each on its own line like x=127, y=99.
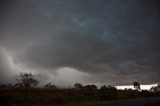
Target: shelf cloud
x=104, y=41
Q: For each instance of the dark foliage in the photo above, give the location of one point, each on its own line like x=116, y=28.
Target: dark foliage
x=49, y=85
x=26, y=80
x=155, y=88
x=107, y=93
x=136, y=85
x=78, y=86
x=49, y=94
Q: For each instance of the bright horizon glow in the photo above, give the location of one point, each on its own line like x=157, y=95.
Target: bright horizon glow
x=143, y=87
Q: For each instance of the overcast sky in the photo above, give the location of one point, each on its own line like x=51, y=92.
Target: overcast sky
x=88, y=41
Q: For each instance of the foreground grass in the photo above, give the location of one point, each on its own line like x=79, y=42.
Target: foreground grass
x=152, y=101
x=67, y=97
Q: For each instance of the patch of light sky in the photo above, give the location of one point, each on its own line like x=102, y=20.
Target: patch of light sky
x=143, y=87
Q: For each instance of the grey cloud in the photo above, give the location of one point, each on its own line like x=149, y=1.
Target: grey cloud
x=6, y=69
x=112, y=41
x=3, y=67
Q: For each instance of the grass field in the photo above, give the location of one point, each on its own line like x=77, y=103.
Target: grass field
x=154, y=101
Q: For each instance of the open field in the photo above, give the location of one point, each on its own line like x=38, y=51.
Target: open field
x=154, y=101
x=72, y=97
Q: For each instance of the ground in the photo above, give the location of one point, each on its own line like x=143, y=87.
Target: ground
x=134, y=102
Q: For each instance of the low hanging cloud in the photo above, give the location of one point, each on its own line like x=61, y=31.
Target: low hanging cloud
x=113, y=42
x=3, y=67
x=7, y=68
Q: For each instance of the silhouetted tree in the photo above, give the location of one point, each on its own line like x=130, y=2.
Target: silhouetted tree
x=90, y=87
x=108, y=92
x=130, y=93
x=3, y=86
x=27, y=80
x=155, y=88
x=136, y=85
x=6, y=85
x=90, y=90
x=145, y=93
x=78, y=86
x=49, y=85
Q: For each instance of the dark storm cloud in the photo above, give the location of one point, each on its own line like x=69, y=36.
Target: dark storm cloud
x=114, y=41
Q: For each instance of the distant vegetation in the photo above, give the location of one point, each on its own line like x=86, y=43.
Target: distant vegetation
x=25, y=92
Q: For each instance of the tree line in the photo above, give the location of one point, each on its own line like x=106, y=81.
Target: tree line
x=26, y=90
